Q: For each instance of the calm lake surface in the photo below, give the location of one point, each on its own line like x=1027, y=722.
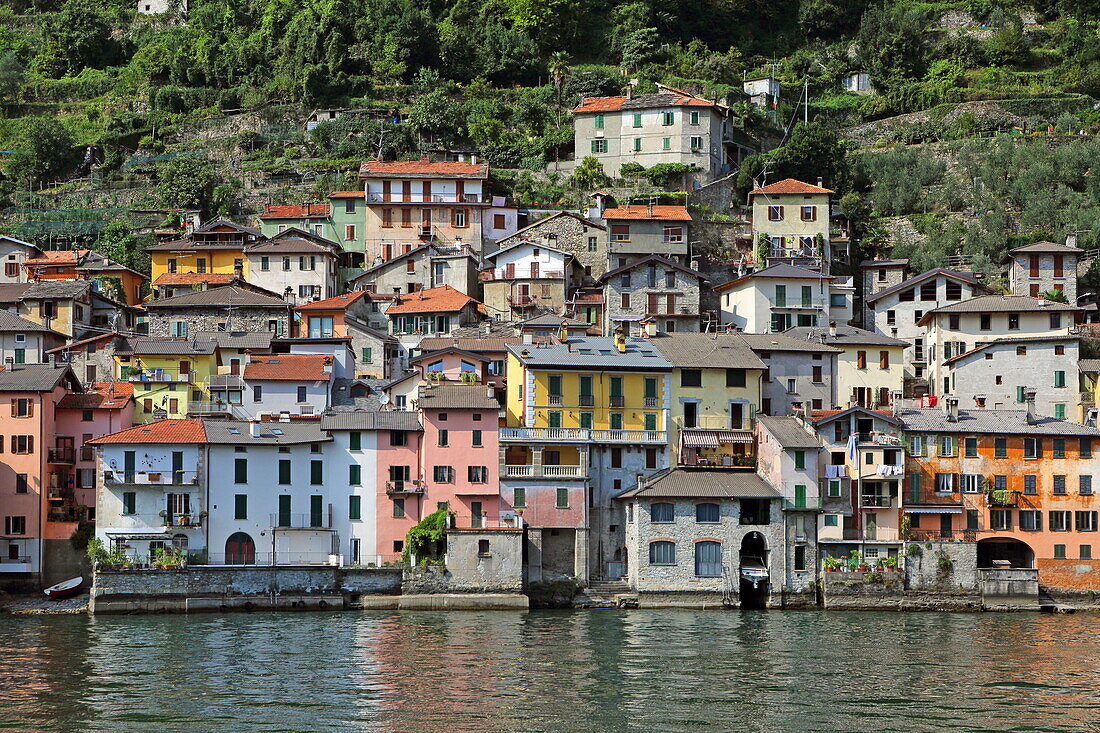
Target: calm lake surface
x=551, y=671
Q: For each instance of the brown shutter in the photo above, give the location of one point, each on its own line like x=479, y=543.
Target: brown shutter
x=30, y=408
x=427, y=191
x=884, y=359
x=30, y=444
x=651, y=303
x=861, y=360
x=14, y=407
x=14, y=444
x=460, y=191
x=385, y=190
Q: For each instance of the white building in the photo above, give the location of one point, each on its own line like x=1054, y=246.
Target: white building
x=294, y=384
x=296, y=264
x=25, y=342
x=777, y=298
x=13, y=253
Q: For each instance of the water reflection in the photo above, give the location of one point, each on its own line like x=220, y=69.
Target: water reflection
x=576, y=671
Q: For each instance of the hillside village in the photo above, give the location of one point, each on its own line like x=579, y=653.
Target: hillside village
x=689, y=354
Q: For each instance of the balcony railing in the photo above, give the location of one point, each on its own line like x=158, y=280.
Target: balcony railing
x=877, y=501
x=650, y=402
x=1087, y=398
x=554, y=399
x=617, y=400
x=156, y=478
x=530, y=471
x=581, y=435
x=525, y=274
x=793, y=253
x=87, y=453
x=161, y=375
x=405, y=487
x=190, y=519
x=1002, y=497
x=942, y=535
x=61, y=455
x=521, y=301
x=218, y=407
x=797, y=304
x=312, y=520
x=586, y=400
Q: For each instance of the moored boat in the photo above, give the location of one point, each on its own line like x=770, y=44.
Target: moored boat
x=65, y=588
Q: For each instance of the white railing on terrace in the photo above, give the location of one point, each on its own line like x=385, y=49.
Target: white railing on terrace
x=583, y=435
x=530, y=471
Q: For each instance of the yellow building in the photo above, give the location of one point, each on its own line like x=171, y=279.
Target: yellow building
x=871, y=368
x=216, y=248
x=715, y=394
x=792, y=217
x=171, y=377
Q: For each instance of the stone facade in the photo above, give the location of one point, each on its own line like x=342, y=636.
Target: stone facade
x=275, y=319
x=998, y=371
x=776, y=395
x=431, y=267
x=878, y=275
x=1034, y=271
x=647, y=288
x=572, y=233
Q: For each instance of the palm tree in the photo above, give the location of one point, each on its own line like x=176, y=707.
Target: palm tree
x=558, y=66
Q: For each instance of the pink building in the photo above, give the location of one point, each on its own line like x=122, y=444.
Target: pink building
x=401, y=499
x=461, y=455
x=104, y=408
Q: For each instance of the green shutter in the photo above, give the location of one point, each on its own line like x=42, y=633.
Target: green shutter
x=240, y=506
x=586, y=385
x=637, y=119
x=519, y=497
x=1019, y=394
x=1060, y=412
x=355, y=440
x=355, y=474
x=651, y=388
x=367, y=354
x=562, y=498
x=129, y=501
x=284, y=471
x=284, y=510
x=650, y=421
x=800, y=496
x=316, y=472
x=554, y=384
x=553, y=419
x=316, y=513
x=616, y=386
x=595, y=146
x=355, y=507
x=800, y=460
x=240, y=470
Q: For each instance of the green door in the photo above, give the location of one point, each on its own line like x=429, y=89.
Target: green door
x=177, y=467
x=799, y=496
x=316, y=511
x=650, y=421
x=807, y=296
x=129, y=466
x=553, y=419
x=284, y=510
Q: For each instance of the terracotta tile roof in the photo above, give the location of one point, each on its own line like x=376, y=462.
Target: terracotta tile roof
x=667, y=213
x=444, y=299
x=59, y=257
x=193, y=278
x=340, y=302
x=790, y=185
x=289, y=367
x=300, y=211
x=174, y=431
x=347, y=194
x=599, y=104
x=423, y=169
x=666, y=96
x=100, y=396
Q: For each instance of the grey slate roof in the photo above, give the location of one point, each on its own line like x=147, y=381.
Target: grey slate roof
x=371, y=420
x=343, y=399
x=238, y=339
x=33, y=377
x=1021, y=340
x=591, y=353
x=1089, y=365
x=918, y=279
x=781, y=271
x=845, y=335
x=999, y=422
x=690, y=483
x=12, y=292
x=469, y=343
x=11, y=322
x=781, y=342
x=271, y=433
x=168, y=346
x=57, y=289
x=788, y=432
x=645, y=261
x=457, y=397
x=707, y=350
x=1001, y=304
x=1046, y=247
x=221, y=296
x=289, y=245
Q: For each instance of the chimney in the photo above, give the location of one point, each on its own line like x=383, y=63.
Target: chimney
x=1042, y=301
x=490, y=390
x=649, y=209
x=1071, y=239
x=649, y=328
x=895, y=403
x=1029, y=400
x=327, y=367
x=254, y=428
x=563, y=332
x=951, y=408
x=832, y=329
x=620, y=339
x=820, y=182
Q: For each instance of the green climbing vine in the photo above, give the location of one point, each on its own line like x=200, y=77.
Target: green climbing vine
x=423, y=539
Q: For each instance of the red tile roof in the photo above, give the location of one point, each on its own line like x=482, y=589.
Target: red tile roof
x=790, y=185
x=193, y=278
x=289, y=367
x=58, y=257
x=668, y=213
x=444, y=299
x=347, y=194
x=423, y=169
x=600, y=104
x=302, y=211
x=340, y=302
x=665, y=96
x=173, y=431
x=99, y=396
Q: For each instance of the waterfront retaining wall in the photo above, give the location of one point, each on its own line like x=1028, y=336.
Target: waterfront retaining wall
x=1009, y=589
x=227, y=587
x=886, y=590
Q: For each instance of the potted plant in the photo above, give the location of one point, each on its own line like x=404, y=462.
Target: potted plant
x=890, y=563
x=832, y=564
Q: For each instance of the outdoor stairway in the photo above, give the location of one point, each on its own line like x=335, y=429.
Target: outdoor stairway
x=610, y=594
x=1049, y=605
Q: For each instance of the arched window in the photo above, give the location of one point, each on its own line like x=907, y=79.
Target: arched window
x=707, y=512
x=708, y=559
x=661, y=511
x=240, y=549
x=662, y=552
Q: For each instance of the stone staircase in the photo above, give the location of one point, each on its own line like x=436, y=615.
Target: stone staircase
x=609, y=594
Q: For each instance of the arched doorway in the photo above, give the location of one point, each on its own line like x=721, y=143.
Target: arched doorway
x=754, y=586
x=240, y=549
x=994, y=551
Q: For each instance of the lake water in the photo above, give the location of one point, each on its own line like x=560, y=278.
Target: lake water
x=551, y=671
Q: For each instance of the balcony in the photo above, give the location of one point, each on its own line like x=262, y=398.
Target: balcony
x=896, y=472
x=582, y=435
x=793, y=253
x=58, y=493
x=586, y=400
x=191, y=519
x=217, y=407
x=649, y=402
x=163, y=376
x=87, y=453
x=312, y=520
x=405, y=487
x=152, y=478
x=521, y=301
x=61, y=455
x=554, y=399
x=617, y=400
x=877, y=501
x=1087, y=398
x=942, y=535
x=795, y=304
x=548, y=472
x=1002, y=498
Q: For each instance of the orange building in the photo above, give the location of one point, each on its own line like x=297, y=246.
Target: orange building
x=1017, y=483
x=116, y=281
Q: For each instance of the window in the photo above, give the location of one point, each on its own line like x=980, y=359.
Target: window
x=1085, y=521
x=1084, y=483
x=478, y=474
x=970, y=447
x=1059, y=484
x=443, y=474
x=662, y=552
x=800, y=460
x=1030, y=481
x=775, y=213
x=1000, y=447
x=398, y=438
x=637, y=145
x=694, y=118
x=1059, y=448
x=661, y=512
x=916, y=445
x=1059, y=552
x=240, y=506
x=599, y=146
x=707, y=512
x=22, y=444
x=831, y=520
x=666, y=143
x=398, y=508
x=691, y=377
x=284, y=471
x=668, y=118
x=884, y=360
x=129, y=502
x=1085, y=447
x=1060, y=411
x=1000, y=519
x=240, y=470
x=561, y=499
x=1013, y=321
x=1033, y=447
x=808, y=213
x=301, y=393
x=1058, y=521
x=792, y=386
x=861, y=360
x=1055, y=320
x=1031, y=520
x=317, y=472
x=971, y=483
x=947, y=446
x=946, y=483
x=696, y=142
x=708, y=559
x=519, y=497
x=835, y=488
x=1086, y=552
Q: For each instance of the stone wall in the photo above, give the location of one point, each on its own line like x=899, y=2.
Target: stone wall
x=208, y=319
x=886, y=591
x=686, y=289
x=1009, y=589
x=927, y=573
x=568, y=233
x=485, y=560
x=224, y=587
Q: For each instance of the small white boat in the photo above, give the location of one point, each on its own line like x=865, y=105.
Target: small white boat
x=753, y=571
x=65, y=588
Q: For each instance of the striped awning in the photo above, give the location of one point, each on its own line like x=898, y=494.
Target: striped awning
x=700, y=439
x=933, y=510
x=734, y=436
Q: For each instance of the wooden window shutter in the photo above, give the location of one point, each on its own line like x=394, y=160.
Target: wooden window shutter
x=14, y=407
x=385, y=190
x=427, y=191
x=460, y=191
x=651, y=305
x=30, y=444
x=30, y=408
x=14, y=444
